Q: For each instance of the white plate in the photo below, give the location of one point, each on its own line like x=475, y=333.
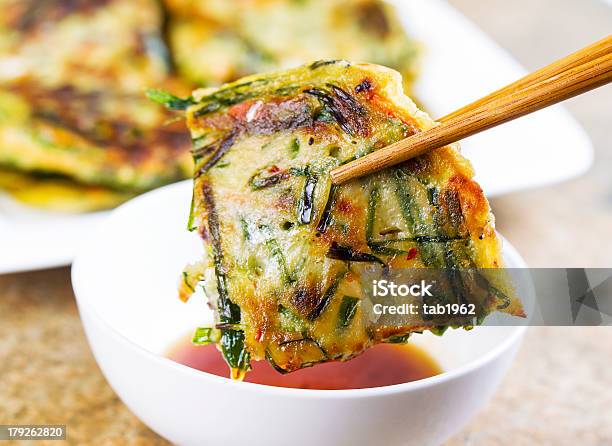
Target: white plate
x=33, y=239
x=461, y=64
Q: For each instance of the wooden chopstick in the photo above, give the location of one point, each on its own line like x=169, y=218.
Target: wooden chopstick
x=568, y=77
x=586, y=54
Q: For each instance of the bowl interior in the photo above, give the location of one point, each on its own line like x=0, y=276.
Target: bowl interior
x=129, y=271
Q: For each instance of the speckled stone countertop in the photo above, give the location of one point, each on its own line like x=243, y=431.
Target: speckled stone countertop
x=559, y=390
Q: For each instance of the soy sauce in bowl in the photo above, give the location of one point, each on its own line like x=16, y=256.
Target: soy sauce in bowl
x=382, y=365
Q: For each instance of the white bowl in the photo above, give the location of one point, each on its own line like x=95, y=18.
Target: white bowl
x=125, y=283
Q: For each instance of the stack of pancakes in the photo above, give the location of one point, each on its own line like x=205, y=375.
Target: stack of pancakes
x=77, y=132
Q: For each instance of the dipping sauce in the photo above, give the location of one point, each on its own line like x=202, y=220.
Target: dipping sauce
x=382, y=365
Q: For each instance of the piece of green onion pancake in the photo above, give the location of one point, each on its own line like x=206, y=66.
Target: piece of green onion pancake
x=75, y=127
x=217, y=41
x=286, y=250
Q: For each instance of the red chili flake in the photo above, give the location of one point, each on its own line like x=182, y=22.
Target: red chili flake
x=239, y=111
x=412, y=253
x=260, y=335
x=344, y=206
x=274, y=169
